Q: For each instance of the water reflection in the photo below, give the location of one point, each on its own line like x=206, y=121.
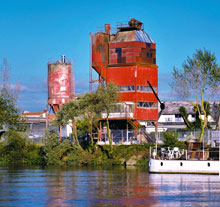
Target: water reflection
x=105, y=187
x=115, y=187
x=186, y=189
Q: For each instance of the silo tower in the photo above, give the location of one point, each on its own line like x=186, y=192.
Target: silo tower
x=59, y=83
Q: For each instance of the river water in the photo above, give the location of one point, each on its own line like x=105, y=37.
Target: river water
x=105, y=187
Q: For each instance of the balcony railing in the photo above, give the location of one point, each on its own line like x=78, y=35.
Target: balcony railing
x=122, y=110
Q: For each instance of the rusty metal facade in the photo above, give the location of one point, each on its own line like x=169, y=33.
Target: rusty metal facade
x=128, y=58
x=60, y=84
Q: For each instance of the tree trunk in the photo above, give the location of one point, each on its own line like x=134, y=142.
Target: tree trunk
x=73, y=132
x=203, y=123
x=108, y=133
x=217, y=123
x=75, y=135
x=90, y=129
x=202, y=133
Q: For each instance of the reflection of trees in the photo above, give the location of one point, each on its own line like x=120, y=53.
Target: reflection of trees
x=67, y=187
x=99, y=187
x=59, y=187
x=123, y=187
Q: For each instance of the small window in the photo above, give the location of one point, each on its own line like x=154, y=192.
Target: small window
x=181, y=164
x=118, y=51
x=141, y=104
x=168, y=119
x=208, y=164
x=146, y=89
x=161, y=164
x=126, y=88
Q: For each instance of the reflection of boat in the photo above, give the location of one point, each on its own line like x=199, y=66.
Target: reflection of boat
x=174, y=161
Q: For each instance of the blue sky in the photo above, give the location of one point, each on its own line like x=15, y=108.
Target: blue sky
x=34, y=31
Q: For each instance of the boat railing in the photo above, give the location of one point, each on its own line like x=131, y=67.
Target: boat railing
x=183, y=154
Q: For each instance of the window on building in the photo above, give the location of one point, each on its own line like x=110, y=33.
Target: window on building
x=178, y=117
x=141, y=104
x=145, y=88
x=118, y=51
x=168, y=119
x=126, y=88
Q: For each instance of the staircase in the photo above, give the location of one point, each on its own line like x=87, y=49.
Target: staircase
x=148, y=137
x=133, y=123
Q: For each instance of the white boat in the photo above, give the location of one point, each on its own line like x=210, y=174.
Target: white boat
x=173, y=163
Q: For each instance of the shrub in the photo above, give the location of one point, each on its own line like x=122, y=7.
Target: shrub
x=171, y=140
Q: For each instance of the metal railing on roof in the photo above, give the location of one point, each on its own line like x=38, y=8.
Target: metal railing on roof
x=57, y=61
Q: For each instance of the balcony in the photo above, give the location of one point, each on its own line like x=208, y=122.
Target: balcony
x=122, y=110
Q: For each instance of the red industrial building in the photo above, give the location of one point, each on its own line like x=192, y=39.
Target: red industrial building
x=128, y=58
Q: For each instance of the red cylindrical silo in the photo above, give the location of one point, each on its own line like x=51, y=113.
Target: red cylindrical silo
x=60, y=83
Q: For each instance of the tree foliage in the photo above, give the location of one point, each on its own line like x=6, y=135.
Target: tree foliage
x=108, y=96
x=199, y=78
x=184, y=114
x=171, y=140
x=70, y=111
x=196, y=124
x=16, y=149
x=90, y=106
x=9, y=113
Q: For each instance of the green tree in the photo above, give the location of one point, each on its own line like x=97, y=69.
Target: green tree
x=107, y=96
x=90, y=104
x=70, y=111
x=184, y=114
x=14, y=147
x=199, y=78
x=56, y=152
x=171, y=140
x=9, y=113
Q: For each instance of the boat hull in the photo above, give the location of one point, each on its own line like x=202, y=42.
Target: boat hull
x=184, y=166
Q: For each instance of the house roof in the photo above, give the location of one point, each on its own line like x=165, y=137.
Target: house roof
x=37, y=115
x=172, y=107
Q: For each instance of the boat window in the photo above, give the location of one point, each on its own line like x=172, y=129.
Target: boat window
x=161, y=163
x=181, y=164
x=208, y=164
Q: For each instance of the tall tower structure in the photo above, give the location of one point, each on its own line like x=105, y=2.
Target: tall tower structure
x=128, y=58
x=59, y=85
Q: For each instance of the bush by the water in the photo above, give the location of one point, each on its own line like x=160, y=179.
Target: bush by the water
x=66, y=153
x=171, y=140
x=15, y=149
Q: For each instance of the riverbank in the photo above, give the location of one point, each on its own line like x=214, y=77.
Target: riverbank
x=18, y=150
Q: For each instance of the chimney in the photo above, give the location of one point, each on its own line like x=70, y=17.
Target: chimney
x=63, y=58
x=107, y=28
